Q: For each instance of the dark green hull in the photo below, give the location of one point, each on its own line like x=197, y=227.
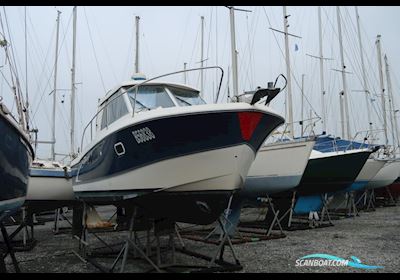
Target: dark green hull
x=331, y=174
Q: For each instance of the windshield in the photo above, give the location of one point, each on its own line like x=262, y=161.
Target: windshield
x=150, y=97
x=186, y=97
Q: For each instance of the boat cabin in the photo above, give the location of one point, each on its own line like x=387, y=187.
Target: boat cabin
x=153, y=95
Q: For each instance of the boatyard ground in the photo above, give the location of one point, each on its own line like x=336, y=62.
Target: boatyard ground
x=373, y=237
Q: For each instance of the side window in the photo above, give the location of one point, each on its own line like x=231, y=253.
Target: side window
x=104, y=119
x=114, y=110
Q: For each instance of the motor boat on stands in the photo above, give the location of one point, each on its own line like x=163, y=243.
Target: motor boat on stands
x=158, y=146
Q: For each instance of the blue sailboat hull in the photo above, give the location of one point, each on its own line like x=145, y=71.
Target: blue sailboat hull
x=15, y=158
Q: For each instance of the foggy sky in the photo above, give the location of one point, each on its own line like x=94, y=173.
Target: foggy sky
x=170, y=36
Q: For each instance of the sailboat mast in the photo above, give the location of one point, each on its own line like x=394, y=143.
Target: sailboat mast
x=393, y=121
x=53, y=119
x=363, y=71
x=72, y=132
x=379, y=53
x=343, y=98
x=26, y=76
x=289, y=80
x=137, y=19
x=302, y=104
x=234, y=52
x=321, y=71
x=202, y=58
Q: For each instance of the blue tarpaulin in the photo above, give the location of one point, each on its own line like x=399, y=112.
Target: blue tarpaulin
x=307, y=204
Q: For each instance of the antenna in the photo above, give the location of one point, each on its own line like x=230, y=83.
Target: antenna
x=137, y=19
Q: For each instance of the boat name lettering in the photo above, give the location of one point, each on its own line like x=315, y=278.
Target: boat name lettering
x=143, y=135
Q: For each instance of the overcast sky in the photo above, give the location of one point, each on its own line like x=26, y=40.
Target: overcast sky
x=170, y=36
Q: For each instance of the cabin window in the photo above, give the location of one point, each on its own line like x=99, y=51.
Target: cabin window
x=150, y=97
x=114, y=110
x=186, y=97
x=104, y=119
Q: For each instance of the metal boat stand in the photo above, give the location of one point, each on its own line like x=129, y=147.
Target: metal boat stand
x=325, y=209
x=289, y=212
x=366, y=201
x=26, y=226
x=217, y=262
x=349, y=210
x=133, y=248
x=312, y=220
x=238, y=233
x=265, y=224
x=370, y=197
x=385, y=201
x=59, y=216
x=353, y=211
x=7, y=249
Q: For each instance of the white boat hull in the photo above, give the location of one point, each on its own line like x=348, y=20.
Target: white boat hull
x=277, y=168
x=49, y=189
x=385, y=176
x=367, y=173
x=223, y=169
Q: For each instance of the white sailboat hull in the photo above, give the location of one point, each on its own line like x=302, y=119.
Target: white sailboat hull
x=49, y=189
x=278, y=167
x=385, y=176
x=370, y=169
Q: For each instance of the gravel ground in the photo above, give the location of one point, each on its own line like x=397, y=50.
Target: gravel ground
x=373, y=237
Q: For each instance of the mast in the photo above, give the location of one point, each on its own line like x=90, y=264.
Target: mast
x=363, y=71
x=393, y=121
x=137, y=19
x=343, y=98
x=321, y=59
x=379, y=53
x=26, y=76
x=288, y=74
x=16, y=92
x=202, y=58
x=234, y=52
x=72, y=133
x=53, y=120
x=302, y=104
x=321, y=71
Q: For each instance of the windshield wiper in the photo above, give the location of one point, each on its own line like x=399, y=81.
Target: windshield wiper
x=181, y=99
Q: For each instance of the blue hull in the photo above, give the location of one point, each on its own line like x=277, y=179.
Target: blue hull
x=15, y=158
x=356, y=186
